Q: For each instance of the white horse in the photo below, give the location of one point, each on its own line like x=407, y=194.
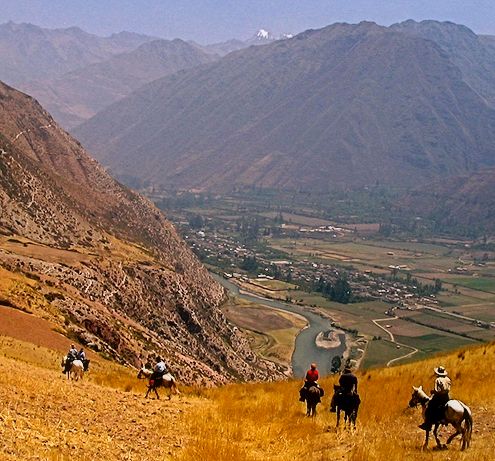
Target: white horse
x=455, y=413
x=74, y=370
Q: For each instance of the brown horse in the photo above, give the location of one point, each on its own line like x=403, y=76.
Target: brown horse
x=312, y=396
x=455, y=412
x=167, y=382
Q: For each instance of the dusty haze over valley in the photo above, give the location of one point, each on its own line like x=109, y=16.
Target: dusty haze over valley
x=237, y=191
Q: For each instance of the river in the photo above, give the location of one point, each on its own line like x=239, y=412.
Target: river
x=306, y=350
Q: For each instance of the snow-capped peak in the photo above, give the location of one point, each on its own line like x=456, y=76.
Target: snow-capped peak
x=263, y=34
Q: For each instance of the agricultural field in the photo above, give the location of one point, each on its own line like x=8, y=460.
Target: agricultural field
x=380, y=351
x=297, y=231
x=272, y=332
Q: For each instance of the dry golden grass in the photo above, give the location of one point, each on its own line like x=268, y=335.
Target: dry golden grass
x=105, y=417
x=264, y=421
x=44, y=416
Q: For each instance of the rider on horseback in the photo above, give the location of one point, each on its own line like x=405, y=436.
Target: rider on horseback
x=72, y=354
x=69, y=358
x=311, y=379
x=348, y=384
x=81, y=355
x=159, y=370
x=440, y=396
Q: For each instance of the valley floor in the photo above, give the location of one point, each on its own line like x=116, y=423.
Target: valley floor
x=105, y=416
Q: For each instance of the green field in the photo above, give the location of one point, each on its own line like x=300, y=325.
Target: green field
x=467, y=273
x=476, y=283
x=435, y=342
x=379, y=352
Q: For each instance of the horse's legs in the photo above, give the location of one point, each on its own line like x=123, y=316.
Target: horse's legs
x=425, y=445
x=458, y=430
x=435, y=433
x=174, y=389
x=338, y=416
x=156, y=393
x=147, y=392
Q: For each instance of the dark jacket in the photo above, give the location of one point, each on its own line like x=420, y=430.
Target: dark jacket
x=348, y=382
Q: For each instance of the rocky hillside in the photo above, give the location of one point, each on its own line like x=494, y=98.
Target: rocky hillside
x=472, y=54
x=80, y=94
x=29, y=52
x=462, y=203
x=347, y=105
x=99, y=260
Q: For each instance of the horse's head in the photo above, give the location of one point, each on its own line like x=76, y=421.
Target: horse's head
x=418, y=397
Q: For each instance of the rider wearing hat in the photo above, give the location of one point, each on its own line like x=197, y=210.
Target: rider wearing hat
x=439, y=397
x=348, y=384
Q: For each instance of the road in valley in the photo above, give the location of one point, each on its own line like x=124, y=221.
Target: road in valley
x=413, y=350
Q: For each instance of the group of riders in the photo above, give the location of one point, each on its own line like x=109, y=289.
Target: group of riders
x=75, y=354
x=348, y=389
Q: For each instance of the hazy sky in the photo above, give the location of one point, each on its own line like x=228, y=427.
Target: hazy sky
x=208, y=21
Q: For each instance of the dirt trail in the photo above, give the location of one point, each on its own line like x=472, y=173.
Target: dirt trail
x=44, y=416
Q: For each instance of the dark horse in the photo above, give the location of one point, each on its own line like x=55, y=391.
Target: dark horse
x=348, y=403
x=454, y=412
x=312, y=397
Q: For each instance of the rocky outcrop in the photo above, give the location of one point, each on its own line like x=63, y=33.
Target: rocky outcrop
x=102, y=261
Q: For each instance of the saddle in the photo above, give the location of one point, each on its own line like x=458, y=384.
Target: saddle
x=342, y=396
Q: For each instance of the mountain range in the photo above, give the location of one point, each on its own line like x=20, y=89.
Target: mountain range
x=78, y=95
x=29, y=52
x=343, y=106
x=100, y=261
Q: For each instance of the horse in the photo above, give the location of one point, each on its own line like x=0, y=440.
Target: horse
x=348, y=403
x=167, y=381
x=312, y=397
x=144, y=373
x=74, y=369
x=455, y=413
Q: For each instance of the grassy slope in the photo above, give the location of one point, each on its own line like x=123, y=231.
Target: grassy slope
x=106, y=417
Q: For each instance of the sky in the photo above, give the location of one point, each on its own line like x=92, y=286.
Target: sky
x=210, y=21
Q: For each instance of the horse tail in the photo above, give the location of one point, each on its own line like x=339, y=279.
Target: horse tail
x=468, y=428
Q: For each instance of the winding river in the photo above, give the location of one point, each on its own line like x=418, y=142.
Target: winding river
x=306, y=350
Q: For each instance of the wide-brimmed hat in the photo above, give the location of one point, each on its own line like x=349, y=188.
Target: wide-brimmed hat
x=440, y=371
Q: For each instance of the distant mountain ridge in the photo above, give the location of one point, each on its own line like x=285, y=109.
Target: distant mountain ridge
x=78, y=95
x=29, y=52
x=261, y=37
x=472, y=54
x=343, y=106
x=102, y=262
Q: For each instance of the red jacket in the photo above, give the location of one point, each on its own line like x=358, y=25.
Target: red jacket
x=312, y=376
